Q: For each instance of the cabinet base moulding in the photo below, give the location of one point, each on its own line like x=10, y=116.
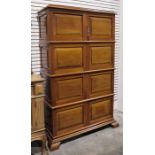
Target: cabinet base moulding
x=54, y=143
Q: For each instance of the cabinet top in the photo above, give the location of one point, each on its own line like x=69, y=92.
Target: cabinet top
x=71, y=8
x=36, y=78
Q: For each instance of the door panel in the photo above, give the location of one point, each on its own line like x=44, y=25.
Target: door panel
x=68, y=26
x=101, y=27
x=100, y=84
x=69, y=118
x=67, y=89
x=67, y=58
x=101, y=56
x=101, y=109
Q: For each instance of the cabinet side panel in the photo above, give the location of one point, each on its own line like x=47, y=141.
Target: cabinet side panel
x=37, y=114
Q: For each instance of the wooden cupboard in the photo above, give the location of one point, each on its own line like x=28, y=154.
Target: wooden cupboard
x=77, y=60
x=37, y=111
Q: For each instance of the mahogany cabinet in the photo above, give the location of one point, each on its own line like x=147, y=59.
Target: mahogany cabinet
x=77, y=60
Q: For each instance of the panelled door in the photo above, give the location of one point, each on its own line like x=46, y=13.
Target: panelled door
x=100, y=27
x=101, y=56
x=66, y=26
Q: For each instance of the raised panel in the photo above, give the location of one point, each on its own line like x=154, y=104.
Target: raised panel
x=68, y=89
x=69, y=118
x=101, y=84
x=37, y=113
x=101, y=27
x=68, y=26
x=101, y=109
x=68, y=59
x=101, y=56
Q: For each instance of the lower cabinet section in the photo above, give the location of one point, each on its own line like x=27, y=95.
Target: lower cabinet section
x=78, y=117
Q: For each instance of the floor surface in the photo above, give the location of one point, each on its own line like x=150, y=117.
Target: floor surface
x=105, y=141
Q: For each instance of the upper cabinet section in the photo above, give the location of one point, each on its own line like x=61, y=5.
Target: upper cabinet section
x=65, y=26
x=70, y=25
x=101, y=27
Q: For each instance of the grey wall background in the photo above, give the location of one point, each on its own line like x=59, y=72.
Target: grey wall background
x=107, y=5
